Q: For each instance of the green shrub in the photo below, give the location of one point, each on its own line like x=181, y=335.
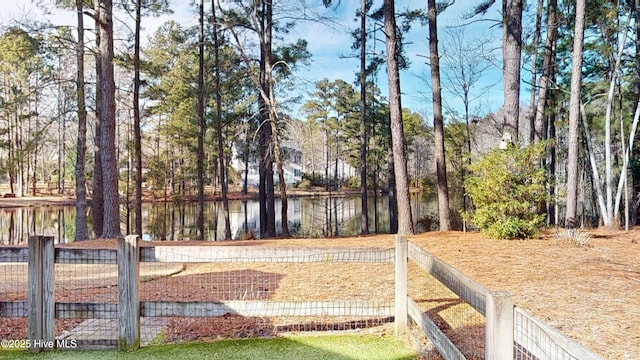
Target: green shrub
x=506, y=186
x=353, y=183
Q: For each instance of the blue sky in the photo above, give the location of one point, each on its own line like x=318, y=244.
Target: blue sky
x=329, y=46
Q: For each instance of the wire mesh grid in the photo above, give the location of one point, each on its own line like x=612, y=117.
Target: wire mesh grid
x=422, y=344
x=13, y=294
x=13, y=281
x=458, y=320
x=263, y=292
x=535, y=340
x=86, y=295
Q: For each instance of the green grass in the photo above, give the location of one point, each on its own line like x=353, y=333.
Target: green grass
x=343, y=347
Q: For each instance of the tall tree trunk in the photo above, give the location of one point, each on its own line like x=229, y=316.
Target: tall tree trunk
x=534, y=70
x=553, y=183
x=393, y=195
x=22, y=184
x=547, y=68
x=267, y=134
x=223, y=169
x=283, y=186
x=326, y=156
x=61, y=127
x=364, y=217
x=405, y=220
x=97, y=196
x=574, y=117
x=11, y=157
x=262, y=173
x=635, y=182
x=266, y=193
x=594, y=168
x=269, y=144
x=265, y=186
x=110, y=172
x=271, y=105
x=336, y=178
x=34, y=179
x=82, y=232
x=438, y=124
x=625, y=154
x=391, y=186
x=511, y=53
x=245, y=188
x=137, y=136
x=19, y=154
x=201, y=124
x=540, y=124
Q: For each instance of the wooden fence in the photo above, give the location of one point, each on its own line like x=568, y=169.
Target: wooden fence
x=509, y=331
x=42, y=308
x=497, y=307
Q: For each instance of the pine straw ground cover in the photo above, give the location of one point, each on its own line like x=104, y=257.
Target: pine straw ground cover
x=590, y=293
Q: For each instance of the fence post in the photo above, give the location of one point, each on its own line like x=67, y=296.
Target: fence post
x=41, y=300
x=128, y=304
x=499, y=331
x=401, y=293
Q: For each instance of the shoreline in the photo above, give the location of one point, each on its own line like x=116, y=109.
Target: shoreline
x=68, y=200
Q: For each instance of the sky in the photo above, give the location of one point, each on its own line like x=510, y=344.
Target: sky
x=330, y=47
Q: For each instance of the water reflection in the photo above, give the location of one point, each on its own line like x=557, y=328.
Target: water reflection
x=308, y=217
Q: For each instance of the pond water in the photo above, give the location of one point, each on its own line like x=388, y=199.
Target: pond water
x=308, y=217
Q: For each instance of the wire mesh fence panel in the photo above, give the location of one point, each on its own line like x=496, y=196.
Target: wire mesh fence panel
x=86, y=295
x=13, y=282
x=534, y=340
x=458, y=320
x=86, y=283
x=264, y=292
x=451, y=313
x=421, y=343
x=13, y=293
x=352, y=296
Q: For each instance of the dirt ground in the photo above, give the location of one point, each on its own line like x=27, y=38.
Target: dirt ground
x=590, y=293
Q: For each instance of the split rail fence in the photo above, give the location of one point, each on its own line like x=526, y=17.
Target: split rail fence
x=460, y=317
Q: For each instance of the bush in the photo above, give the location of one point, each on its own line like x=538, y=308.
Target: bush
x=506, y=186
x=353, y=183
